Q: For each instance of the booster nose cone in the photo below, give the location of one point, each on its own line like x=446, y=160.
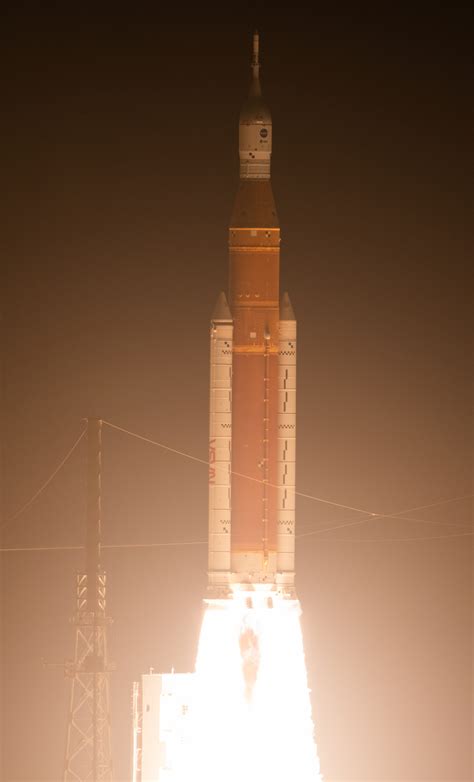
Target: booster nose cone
x=255, y=127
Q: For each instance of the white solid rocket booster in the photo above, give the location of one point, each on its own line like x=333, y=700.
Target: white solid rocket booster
x=286, y=445
x=220, y=444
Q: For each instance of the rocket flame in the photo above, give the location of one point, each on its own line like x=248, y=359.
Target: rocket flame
x=252, y=712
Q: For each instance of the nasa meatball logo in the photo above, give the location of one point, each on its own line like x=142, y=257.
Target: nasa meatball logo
x=264, y=133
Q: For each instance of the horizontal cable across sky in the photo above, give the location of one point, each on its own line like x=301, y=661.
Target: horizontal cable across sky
x=345, y=523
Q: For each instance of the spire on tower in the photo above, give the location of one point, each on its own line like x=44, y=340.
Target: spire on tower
x=255, y=55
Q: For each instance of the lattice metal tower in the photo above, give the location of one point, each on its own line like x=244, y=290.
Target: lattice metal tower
x=88, y=745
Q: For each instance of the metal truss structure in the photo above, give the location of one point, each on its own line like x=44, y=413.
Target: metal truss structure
x=88, y=744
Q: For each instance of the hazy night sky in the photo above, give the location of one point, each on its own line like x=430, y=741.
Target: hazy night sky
x=121, y=168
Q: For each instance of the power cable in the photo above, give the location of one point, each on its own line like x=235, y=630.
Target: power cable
x=204, y=543
x=233, y=472
x=171, y=544
x=349, y=523
x=370, y=514
x=397, y=516
x=44, y=485
x=420, y=539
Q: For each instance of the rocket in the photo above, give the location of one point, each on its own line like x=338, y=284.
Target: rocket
x=252, y=384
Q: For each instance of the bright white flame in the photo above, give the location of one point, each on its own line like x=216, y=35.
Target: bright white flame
x=252, y=713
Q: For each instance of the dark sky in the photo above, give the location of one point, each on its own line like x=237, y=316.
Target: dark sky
x=121, y=164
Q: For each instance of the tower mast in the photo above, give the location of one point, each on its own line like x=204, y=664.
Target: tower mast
x=88, y=745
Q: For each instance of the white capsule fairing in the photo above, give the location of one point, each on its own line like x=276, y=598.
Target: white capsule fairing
x=220, y=443
x=286, y=447
x=255, y=128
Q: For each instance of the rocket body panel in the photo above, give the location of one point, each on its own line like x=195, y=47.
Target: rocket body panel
x=286, y=451
x=254, y=274
x=220, y=444
x=254, y=463
x=254, y=206
x=252, y=470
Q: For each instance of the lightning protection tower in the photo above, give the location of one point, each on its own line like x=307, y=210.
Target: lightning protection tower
x=88, y=746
